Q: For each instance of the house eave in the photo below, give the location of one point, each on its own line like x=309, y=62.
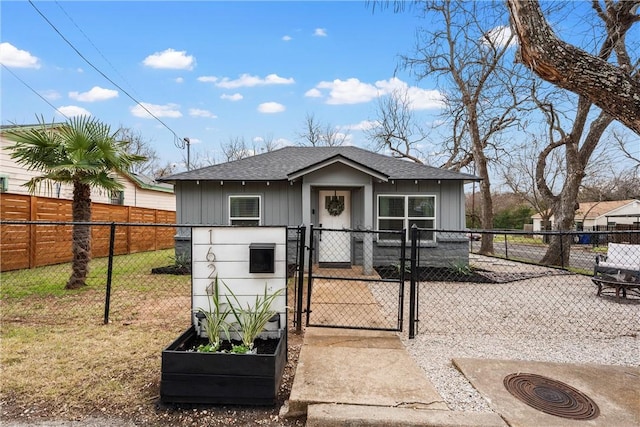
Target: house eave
x=338, y=159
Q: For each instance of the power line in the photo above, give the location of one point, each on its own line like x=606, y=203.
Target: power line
x=94, y=46
x=180, y=141
x=34, y=91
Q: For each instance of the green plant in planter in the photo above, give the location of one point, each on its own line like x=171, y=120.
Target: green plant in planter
x=252, y=319
x=216, y=318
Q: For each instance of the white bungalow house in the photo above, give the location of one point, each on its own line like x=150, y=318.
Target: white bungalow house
x=139, y=190
x=600, y=214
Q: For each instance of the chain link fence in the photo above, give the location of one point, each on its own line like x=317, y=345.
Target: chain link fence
x=143, y=283
x=458, y=289
x=148, y=285
x=508, y=293
x=356, y=282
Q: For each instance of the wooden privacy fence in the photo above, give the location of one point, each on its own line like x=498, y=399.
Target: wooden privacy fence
x=30, y=245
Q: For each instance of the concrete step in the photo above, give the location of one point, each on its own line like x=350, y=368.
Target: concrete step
x=358, y=368
x=335, y=415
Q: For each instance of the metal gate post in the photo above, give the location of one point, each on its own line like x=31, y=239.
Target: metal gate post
x=302, y=242
x=310, y=275
x=414, y=279
x=107, y=302
x=403, y=263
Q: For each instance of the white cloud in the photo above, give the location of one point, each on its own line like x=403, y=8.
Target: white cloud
x=207, y=79
x=271, y=108
x=51, y=95
x=350, y=91
x=168, y=110
x=313, y=93
x=95, y=94
x=287, y=38
x=179, y=80
x=353, y=91
x=320, y=32
x=363, y=125
x=234, y=97
x=195, y=112
x=172, y=59
x=73, y=110
x=420, y=99
x=11, y=56
x=500, y=36
x=247, y=80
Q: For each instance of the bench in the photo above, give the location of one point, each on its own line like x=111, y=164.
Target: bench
x=618, y=269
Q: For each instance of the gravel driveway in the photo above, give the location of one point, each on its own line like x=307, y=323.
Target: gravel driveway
x=542, y=315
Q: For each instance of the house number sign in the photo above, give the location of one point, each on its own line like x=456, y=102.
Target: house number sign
x=211, y=259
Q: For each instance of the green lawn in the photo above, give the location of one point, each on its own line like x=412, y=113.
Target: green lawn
x=49, y=281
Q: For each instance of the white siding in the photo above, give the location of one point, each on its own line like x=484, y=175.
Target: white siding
x=133, y=194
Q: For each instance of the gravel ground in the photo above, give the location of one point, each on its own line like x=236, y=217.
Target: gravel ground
x=553, y=317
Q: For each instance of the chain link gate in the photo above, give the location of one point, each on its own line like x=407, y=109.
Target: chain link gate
x=353, y=281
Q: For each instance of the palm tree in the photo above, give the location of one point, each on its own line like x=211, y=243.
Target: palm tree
x=82, y=152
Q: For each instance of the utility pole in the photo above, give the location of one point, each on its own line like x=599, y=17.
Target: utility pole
x=188, y=142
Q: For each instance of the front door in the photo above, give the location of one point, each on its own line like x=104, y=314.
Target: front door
x=335, y=212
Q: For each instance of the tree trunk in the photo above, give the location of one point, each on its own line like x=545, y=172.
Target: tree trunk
x=611, y=88
x=559, y=248
x=81, y=235
x=564, y=205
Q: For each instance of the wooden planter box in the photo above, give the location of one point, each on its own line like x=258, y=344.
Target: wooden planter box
x=220, y=378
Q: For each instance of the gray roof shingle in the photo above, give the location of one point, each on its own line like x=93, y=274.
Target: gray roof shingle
x=279, y=164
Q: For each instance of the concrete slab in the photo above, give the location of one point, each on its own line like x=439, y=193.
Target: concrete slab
x=615, y=389
x=358, y=367
x=331, y=415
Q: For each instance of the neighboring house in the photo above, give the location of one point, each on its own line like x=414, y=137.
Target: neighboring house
x=599, y=214
x=139, y=191
x=300, y=185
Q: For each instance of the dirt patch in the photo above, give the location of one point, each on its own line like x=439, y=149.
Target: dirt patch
x=435, y=274
x=172, y=269
x=89, y=371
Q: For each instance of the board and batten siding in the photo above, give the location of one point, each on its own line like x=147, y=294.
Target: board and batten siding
x=207, y=202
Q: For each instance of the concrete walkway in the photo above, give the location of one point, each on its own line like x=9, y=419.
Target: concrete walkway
x=366, y=378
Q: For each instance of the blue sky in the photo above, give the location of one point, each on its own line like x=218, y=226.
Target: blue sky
x=209, y=70
x=216, y=70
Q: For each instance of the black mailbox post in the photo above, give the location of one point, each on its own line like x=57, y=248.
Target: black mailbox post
x=262, y=257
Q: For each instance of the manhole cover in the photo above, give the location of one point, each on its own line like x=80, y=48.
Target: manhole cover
x=551, y=396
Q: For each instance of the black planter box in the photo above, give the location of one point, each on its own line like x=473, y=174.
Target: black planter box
x=220, y=378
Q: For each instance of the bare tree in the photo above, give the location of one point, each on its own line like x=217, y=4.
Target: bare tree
x=236, y=148
x=137, y=145
x=622, y=142
x=265, y=144
x=519, y=175
x=198, y=158
x=578, y=139
x=614, y=88
x=316, y=134
x=396, y=129
x=467, y=51
x=168, y=168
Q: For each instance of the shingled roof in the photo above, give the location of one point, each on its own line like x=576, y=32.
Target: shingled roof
x=286, y=162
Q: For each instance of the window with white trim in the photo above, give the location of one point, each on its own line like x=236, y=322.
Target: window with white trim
x=397, y=212
x=244, y=210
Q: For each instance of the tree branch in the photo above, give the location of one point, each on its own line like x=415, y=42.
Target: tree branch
x=612, y=88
